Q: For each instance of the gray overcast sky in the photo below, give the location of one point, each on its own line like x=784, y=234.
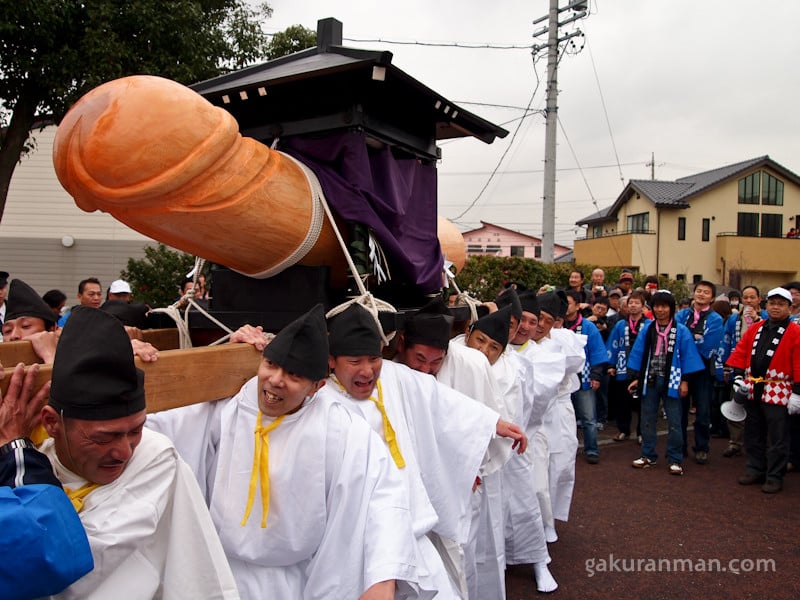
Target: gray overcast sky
x=700, y=83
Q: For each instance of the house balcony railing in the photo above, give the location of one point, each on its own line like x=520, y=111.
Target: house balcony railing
x=757, y=253
x=618, y=233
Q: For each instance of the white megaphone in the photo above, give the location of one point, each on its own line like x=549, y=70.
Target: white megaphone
x=733, y=411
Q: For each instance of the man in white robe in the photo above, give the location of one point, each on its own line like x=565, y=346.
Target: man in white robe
x=559, y=422
x=332, y=518
x=523, y=536
x=438, y=456
x=425, y=346
x=149, y=530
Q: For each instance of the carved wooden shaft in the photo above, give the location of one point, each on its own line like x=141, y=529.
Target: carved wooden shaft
x=163, y=160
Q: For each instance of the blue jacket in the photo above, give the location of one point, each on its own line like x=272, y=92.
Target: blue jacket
x=711, y=337
x=43, y=545
x=595, y=349
x=617, y=352
x=685, y=359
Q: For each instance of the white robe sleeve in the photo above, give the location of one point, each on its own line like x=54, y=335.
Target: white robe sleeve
x=468, y=371
x=367, y=509
x=195, y=432
x=451, y=433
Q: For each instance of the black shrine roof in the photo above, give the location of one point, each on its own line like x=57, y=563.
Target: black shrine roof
x=332, y=87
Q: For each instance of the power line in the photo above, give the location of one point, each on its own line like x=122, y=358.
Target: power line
x=505, y=152
x=605, y=112
x=577, y=162
x=529, y=171
x=468, y=46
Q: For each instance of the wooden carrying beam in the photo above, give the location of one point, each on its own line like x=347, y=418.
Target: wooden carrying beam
x=181, y=377
x=13, y=353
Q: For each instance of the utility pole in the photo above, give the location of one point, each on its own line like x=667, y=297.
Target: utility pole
x=551, y=114
x=652, y=165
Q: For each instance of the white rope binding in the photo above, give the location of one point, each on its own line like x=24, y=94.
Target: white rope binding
x=182, y=320
x=463, y=297
x=314, y=228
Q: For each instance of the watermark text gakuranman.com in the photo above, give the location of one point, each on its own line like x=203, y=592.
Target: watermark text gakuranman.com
x=737, y=566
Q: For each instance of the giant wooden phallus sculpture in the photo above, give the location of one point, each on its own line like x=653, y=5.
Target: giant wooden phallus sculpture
x=163, y=160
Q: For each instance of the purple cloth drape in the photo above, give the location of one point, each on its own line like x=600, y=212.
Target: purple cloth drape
x=395, y=197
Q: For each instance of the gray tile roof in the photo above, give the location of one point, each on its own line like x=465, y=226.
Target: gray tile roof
x=676, y=194
x=662, y=193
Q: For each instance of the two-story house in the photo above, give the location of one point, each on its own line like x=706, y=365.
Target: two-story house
x=728, y=225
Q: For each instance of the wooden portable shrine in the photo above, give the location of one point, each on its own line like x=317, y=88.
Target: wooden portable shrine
x=364, y=128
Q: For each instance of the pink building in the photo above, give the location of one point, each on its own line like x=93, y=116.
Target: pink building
x=498, y=241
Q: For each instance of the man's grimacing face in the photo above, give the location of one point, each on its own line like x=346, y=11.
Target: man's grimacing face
x=98, y=451
x=422, y=357
x=358, y=374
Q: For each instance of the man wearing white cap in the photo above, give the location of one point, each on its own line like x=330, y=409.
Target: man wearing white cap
x=3, y=293
x=766, y=366
x=118, y=303
x=119, y=290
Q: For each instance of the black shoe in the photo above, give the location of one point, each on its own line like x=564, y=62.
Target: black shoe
x=701, y=457
x=751, y=479
x=592, y=459
x=731, y=451
x=772, y=486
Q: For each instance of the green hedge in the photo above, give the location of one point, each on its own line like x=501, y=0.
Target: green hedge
x=484, y=276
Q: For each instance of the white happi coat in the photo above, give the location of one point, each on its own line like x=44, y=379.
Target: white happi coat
x=443, y=436
x=560, y=425
x=338, y=516
x=149, y=530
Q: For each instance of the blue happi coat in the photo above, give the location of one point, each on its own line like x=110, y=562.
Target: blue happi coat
x=685, y=358
x=596, y=353
x=617, y=351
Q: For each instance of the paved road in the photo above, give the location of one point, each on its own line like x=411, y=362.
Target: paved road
x=620, y=514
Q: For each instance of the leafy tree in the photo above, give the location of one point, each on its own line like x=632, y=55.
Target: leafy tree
x=292, y=39
x=54, y=51
x=155, y=278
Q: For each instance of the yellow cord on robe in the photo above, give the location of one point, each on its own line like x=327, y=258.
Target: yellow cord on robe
x=260, y=470
x=38, y=435
x=525, y=345
x=77, y=496
x=388, y=430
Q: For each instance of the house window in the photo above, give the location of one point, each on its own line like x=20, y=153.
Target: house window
x=597, y=231
x=681, y=276
x=537, y=252
x=749, y=188
x=706, y=229
x=518, y=251
x=639, y=223
x=493, y=248
x=773, y=191
x=747, y=224
x=681, y=228
x=474, y=248
x=697, y=279
x=771, y=225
